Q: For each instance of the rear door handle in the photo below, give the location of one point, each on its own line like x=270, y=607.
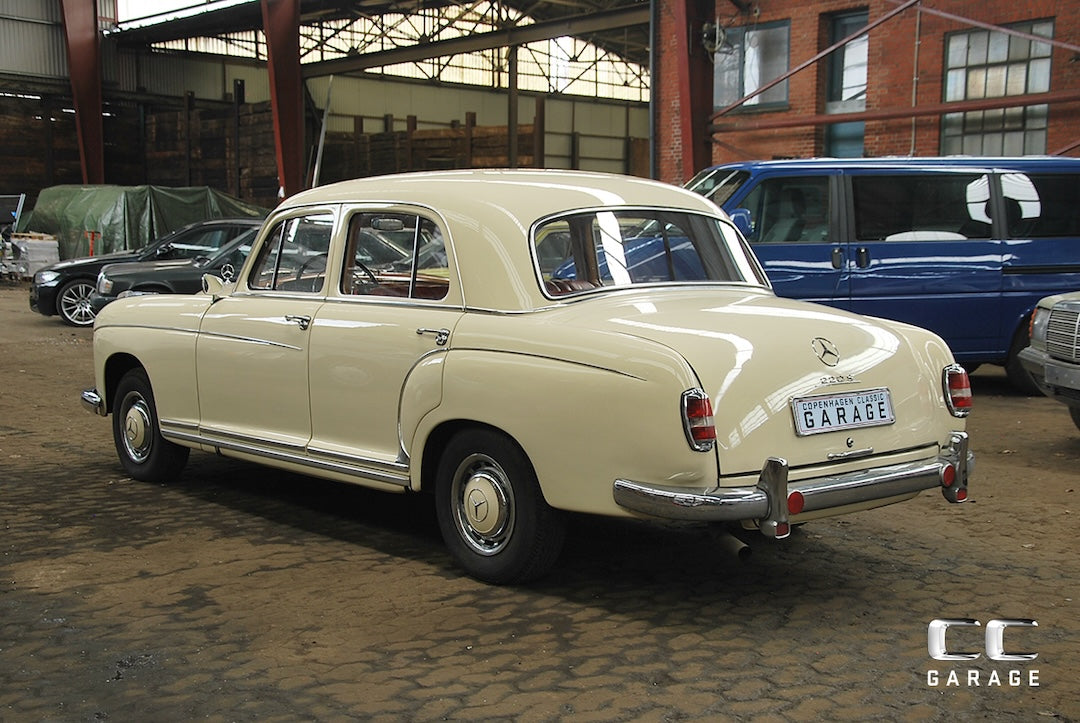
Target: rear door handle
x=862, y=257
x=302, y=321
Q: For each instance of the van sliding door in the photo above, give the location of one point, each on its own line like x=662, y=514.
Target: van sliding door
x=922, y=251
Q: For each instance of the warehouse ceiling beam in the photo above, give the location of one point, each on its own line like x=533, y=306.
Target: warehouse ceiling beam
x=519, y=35
x=281, y=24
x=84, y=66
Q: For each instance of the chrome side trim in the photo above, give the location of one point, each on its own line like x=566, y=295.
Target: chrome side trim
x=767, y=501
x=375, y=470
x=93, y=402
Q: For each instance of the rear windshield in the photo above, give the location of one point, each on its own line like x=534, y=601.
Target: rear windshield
x=613, y=248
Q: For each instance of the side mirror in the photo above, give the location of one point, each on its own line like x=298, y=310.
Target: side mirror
x=164, y=251
x=741, y=218
x=214, y=286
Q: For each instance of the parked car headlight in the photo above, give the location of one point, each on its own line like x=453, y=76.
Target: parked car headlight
x=1039, y=319
x=104, y=285
x=46, y=277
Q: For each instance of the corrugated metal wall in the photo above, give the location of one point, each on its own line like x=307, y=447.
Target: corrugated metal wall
x=32, y=39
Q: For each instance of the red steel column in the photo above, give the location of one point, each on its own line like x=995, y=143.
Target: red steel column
x=84, y=67
x=281, y=23
x=693, y=74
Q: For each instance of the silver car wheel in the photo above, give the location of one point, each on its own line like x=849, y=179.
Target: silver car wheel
x=138, y=432
x=74, y=303
x=483, y=500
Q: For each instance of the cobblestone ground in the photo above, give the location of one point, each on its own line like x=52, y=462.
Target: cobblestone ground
x=245, y=594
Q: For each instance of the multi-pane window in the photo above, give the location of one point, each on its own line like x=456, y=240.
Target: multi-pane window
x=749, y=58
x=846, y=88
x=989, y=64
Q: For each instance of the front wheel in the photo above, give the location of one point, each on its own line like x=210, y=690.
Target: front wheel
x=73, y=303
x=491, y=511
x=144, y=454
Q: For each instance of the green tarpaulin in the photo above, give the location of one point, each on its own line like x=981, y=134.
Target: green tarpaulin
x=115, y=218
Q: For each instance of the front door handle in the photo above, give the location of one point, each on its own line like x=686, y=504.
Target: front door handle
x=837, y=258
x=441, y=335
x=302, y=321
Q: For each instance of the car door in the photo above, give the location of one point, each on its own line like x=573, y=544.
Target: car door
x=795, y=233
x=923, y=251
x=253, y=346
x=378, y=345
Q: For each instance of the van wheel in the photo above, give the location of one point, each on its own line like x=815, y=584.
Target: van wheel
x=1018, y=376
x=491, y=511
x=1074, y=412
x=144, y=454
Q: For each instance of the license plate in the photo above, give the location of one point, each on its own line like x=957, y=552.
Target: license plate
x=834, y=412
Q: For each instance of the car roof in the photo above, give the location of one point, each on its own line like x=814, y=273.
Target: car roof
x=1043, y=163
x=489, y=215
x=516, y=192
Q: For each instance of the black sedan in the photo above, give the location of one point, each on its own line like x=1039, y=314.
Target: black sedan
x=182, y=276
x=65, y=288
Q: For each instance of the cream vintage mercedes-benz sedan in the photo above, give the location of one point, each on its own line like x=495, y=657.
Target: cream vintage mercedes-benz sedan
x=521, y=344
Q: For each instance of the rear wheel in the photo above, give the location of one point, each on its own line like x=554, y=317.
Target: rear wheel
x=144, y=454
x=73, y=303
x=491, y=512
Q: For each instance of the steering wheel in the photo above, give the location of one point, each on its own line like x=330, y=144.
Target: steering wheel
x=366, y=271
x=303, y=267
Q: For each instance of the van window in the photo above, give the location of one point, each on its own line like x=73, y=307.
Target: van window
x=1041, y=205
x=915, y=207
x=794, y=209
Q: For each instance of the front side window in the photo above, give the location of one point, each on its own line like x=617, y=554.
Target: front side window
x=397, y=255
x=293, y=255
x=749, y=58
x=915, y=207
x=607, y=248
x=987, y=64
x=789, y=210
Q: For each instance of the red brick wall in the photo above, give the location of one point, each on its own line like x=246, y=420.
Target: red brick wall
x=891, y=58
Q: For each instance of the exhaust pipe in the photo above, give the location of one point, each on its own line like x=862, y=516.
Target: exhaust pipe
x=731, y=545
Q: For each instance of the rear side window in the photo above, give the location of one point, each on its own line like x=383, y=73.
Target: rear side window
x=395, y=254
x=914, y=207
x=789, y=210
x=1041, y=205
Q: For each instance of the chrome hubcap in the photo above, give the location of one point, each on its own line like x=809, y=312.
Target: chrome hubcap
x=138, y=429
x=484, y=504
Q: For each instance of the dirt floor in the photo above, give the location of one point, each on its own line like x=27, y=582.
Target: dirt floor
x=245, y=594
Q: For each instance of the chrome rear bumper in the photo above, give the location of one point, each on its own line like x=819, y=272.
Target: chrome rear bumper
x=774, y=499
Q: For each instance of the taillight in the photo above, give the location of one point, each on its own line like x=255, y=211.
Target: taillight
x=957, y=390
x=697, y=416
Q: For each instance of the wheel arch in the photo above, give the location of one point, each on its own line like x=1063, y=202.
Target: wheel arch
x=114, y=369
x=440, y=436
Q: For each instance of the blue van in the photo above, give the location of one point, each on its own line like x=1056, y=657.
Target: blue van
x=964, y=246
